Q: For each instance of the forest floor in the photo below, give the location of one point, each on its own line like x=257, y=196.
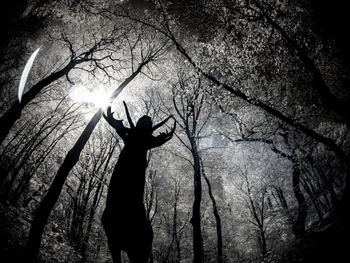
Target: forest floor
x=327, y=244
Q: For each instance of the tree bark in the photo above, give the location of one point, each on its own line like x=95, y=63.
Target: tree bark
x=263, y=241
x=196, y=209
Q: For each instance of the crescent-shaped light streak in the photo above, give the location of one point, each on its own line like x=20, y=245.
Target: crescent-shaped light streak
x=25, y=74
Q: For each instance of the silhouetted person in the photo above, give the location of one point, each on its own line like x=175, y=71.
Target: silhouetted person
x=124, y=218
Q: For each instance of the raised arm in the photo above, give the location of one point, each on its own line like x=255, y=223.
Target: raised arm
x=116, y=124
x=161, y=123
x=128, y=116
x=162, y=138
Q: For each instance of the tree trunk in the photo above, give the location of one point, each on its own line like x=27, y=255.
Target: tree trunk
x=196, y=209
x=330, y=143
x=299, y=225
x=8, y=119
x=72, y=157
x=50, y=199
x=281, y=198
x=217, y=218
x=327, y=182
x=95, y=203
x=93, y=207
x=331, y=102
x=175, y=234
x=313, y=199
x=27, y=176
x=263, y=245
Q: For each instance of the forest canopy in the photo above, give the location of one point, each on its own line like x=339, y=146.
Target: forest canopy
x=258, y=167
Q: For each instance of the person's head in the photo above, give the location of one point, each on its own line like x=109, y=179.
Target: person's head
x=144, y=123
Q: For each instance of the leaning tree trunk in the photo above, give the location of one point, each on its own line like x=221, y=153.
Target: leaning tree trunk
x=50, y=199
x=220, y=257
x=8, y=119
x=342, y=209
x=72, y=157
x=331, y=102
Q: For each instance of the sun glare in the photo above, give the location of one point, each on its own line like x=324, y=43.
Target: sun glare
x=99, y=96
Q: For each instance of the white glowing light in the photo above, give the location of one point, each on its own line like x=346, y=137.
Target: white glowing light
x=98, y=96
x=25, y=74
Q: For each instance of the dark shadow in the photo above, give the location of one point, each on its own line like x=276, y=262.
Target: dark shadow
x=124, y=219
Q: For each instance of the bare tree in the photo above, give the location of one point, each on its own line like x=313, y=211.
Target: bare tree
x=96, y=56
x=256, y=201
x=28, y=150
x=70, y=160
x=299, y=223
x=193, y=112
x=220, y=257
x=90, y=172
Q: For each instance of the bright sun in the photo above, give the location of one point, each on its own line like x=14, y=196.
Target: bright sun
x=98, y=96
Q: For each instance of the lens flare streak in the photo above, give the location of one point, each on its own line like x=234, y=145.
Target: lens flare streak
x=25, y=74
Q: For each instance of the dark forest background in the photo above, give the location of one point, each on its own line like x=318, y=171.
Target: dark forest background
x=259, y=162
